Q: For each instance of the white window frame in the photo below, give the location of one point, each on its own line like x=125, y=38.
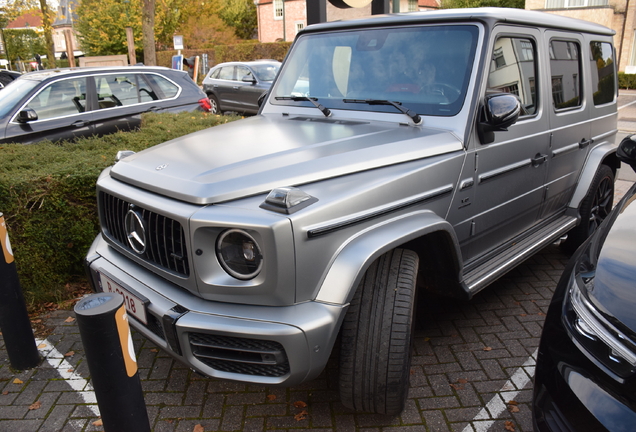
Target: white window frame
x=278, y=9
x=299, y=25
x=567, y=4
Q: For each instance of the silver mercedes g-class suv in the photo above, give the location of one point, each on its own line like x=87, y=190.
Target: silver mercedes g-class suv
x=393, y=156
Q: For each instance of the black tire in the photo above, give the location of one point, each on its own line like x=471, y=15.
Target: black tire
x=377, y=335
x=594, y=208
x=215, y=107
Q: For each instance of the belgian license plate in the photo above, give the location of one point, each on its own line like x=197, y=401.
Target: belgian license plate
x=134, y=305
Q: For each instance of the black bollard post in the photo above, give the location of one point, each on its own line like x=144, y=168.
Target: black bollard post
x=105, y=333
x=14, y=318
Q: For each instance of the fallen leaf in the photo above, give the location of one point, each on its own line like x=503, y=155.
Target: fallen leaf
x=512, y=402
x=271, y=397
x=36, y=321
x=426, y=339
x=18, y=381
x=69, y=354
x=301, y=415
x=6, y=392
x=154, y=350
x=36, y=405
x=462, y=381
x=513, y=409
x=198, y=428
x=69, y=320
x=457, y=386
x=300, y=404
x=487, y=349
x=98, y=422
x=42, y=346
x=541, y=313
x=523, y=315
x=510, y=426
x=69, y=370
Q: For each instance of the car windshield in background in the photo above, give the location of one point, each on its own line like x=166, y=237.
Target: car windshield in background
x=427, y=69
x=19, y=89
x=265, y=71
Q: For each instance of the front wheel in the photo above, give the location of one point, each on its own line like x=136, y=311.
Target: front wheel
x=594, y=208
x=375, y=355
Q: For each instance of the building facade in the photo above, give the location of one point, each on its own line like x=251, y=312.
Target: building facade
x=280, y=20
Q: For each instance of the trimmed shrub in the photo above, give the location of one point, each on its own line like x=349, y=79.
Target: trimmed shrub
x=47, y=195
x=626, y=81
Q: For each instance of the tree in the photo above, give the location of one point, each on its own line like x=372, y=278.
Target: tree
x=23, y=44
x=48, y=34
x=241, y=16
x=454, y=4
x=148, y=32
x=101, y=25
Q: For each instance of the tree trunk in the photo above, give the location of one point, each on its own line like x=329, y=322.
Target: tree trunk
x=148, y=32
x=48, y=35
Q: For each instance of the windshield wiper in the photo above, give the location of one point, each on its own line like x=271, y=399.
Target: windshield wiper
x=313, y=100
x=412, y=114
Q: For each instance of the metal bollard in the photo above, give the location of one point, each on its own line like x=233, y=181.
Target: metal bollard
x=14, y=319
x=105, y=333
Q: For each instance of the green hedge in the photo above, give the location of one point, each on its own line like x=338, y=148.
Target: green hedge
x=47, y=195
x=626, y=81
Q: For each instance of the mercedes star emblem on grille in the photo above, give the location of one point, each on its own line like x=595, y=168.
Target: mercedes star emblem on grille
x=135, y=231
x=162, y=166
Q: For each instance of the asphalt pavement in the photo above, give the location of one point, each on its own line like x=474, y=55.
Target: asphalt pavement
x=472, y=368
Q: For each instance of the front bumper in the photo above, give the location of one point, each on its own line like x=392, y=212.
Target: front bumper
x=270, y=345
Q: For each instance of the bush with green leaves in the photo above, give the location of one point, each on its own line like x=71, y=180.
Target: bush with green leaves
x=47, y=196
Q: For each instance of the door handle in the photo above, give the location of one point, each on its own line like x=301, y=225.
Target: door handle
x=538, y=159
x=153, y=109
x=79, y=123
x=584, y=143
x=235, y=87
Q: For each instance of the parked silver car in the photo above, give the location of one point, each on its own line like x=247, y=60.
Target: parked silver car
x=393, y=157
x=236, y=86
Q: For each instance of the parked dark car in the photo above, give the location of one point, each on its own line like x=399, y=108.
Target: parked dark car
x=70, y=103
x=236, y=86
x=7, y=76
x=586, y=369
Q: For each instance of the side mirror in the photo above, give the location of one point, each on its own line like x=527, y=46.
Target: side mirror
x=27, y=115
x=499, y=112
x=626, y=151
x=249, y=79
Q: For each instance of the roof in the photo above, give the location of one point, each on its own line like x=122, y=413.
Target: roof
x=27, y=20
x=60, y=72
x=486, y=15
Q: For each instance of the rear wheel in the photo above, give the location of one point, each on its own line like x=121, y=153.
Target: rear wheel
x=377, y=334
x=215, y=107
x=594, y=208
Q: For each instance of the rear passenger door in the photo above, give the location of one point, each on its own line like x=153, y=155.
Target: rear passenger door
x=569, y=113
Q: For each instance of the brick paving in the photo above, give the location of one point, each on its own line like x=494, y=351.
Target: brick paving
x=467, y=357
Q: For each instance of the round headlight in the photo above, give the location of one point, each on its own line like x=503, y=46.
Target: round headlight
x=239, y=254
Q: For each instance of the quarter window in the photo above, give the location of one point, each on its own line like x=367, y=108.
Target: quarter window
x=565, y=70
x=167, y=88
x=513, y=70
x=603, y=72
x=61, y=98
x=116, y=90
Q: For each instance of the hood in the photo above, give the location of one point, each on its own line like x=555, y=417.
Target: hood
x=614, y=290
x=255, y=155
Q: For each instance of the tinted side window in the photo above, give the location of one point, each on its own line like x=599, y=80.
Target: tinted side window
x=603, y=72
x=167, y=88
x=146, y=93
x=565, y=70
x=61, y=98
x=513, y=70
x=116, y=90
x=227, y=73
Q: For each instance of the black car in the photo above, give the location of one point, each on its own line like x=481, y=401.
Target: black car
x=7, y=76
x=69, y=103
x=586, y=369
x=236, y=86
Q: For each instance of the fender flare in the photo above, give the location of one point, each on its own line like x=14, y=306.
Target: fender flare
x=357, y=254
x=596, y=157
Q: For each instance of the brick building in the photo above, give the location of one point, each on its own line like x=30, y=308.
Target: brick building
x=280, y=20
x=619, y=15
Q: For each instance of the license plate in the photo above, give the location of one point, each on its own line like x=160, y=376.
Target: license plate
x=134, y=305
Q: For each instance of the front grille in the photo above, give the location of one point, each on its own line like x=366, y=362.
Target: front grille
x=165, y=239
x=239, y=355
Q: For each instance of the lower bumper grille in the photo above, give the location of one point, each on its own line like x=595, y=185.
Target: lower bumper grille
x=239, y=355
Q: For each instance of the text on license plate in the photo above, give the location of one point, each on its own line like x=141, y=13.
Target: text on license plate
x=134, y=305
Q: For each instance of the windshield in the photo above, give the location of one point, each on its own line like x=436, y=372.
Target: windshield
x=427, y=69
x=266, y=71
x=11, y=95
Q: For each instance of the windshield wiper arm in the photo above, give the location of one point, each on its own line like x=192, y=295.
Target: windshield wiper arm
x=313, y=100
x=412, y=114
